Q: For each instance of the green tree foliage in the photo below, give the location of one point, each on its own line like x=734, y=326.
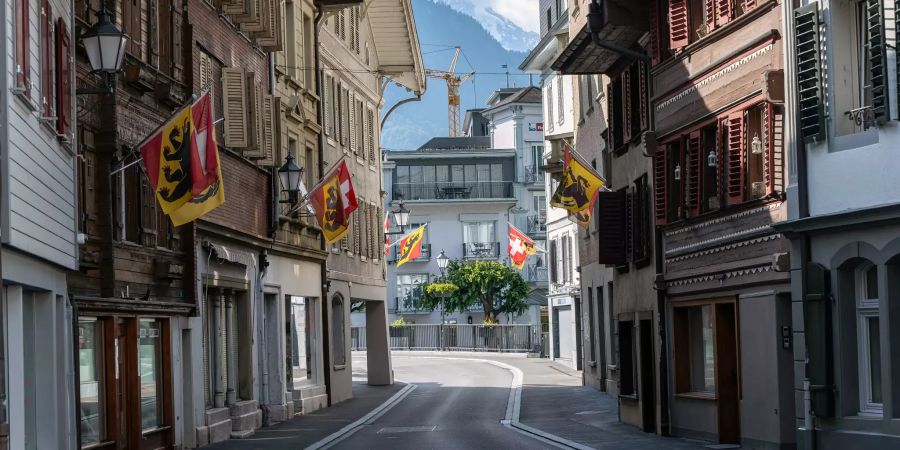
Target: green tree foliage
x=499, y=289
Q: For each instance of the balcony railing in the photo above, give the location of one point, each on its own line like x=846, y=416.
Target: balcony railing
x=425, y=256
x=537, y=224
x=481, y=250
x=453, y=191
x=533, y=174
x=536, y=274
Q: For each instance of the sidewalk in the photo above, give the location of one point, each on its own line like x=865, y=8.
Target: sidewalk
x=302, y=431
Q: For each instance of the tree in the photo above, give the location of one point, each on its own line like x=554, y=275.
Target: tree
x=499, y=289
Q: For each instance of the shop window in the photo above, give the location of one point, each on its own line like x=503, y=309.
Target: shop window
x=91, y=391
x=150, y=373
x=339, y=353
x=693, y=350
x=626, y=358
x=868, y=339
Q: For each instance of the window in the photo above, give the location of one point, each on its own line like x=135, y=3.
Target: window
x=409, y=291
x=693, y=349
x=309, y=70
x=91, y=391
x=339, y=353
x=591, y=319
x=23, y=48
x=549, y=119
x=627, y=111
x=692, y=20
x=479, y=232
x=626, y=358
x=554, y=252
x=560, y=99
x=150, y=373
x=48, y=101
x=641, y=235
x=868, y=339
x=293, y=55
x=303, y=347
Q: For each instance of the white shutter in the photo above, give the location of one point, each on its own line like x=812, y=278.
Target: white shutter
x=353, y=124
x=234, y=100
x=325, y=104
x=256, y=145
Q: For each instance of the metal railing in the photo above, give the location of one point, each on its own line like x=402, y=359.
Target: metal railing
x=537, y=274
x=457, y=337
x=452, y=190
x=481, y=250
x=533, y=174
x=537, y=224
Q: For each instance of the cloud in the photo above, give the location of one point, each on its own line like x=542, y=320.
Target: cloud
x=515, y=24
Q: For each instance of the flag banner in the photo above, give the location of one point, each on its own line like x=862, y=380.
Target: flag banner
x=578, y=188
x=387, y=238
x=520, y=247
x=582, y=218
x=348, y=194
x=410, y=246
x=327, y=200
x=182, y=163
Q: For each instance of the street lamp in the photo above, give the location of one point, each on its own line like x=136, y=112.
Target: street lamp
x=443, y=260
x=401, y=215
x=104, y=44
x=290, y=175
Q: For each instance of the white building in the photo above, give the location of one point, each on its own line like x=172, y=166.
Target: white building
x=562, y=233
x=37, y=225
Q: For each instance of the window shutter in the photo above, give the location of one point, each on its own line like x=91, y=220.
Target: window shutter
x=234, y=99
x=204, y=70
x=679, y=25
x=642, y=96
x=64, y=89
x=177, y=19
x=810, y=97
x=23, y=48
x=553, y=275
x=817, y=314
x=629, y=226
x=610, y=117
x=270, y=141
x=877, y=53
x=611, y=217
x=724, y=11
x=352, y=113
x=660, y=184
x=326, y=105
x=625, y=99
x=256, y=143
x=736, y=143
x=710, y=7
x=654, y=43
x=47, y=63
x=749, y=5
x=774, y=164
x=345, y=116
x=692, y=173
x=371, y=137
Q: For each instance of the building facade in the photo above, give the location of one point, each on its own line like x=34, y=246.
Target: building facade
x=38, y=245
x=845, y=242
x=361, y=48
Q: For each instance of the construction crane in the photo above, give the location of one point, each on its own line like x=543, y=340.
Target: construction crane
x=453, y=82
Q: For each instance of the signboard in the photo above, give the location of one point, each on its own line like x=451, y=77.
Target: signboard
x=539, y=126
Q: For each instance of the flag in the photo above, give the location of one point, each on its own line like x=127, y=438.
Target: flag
x=520, y=247
x=578, y=188
x=387, y=237
x=582, y=218
x=327, y=200
x=182, y=163
x=410, y=247
x=348, y=194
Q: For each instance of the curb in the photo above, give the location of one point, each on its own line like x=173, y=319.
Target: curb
x=373, y=415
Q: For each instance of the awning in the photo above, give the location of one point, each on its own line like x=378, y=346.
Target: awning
x=397, y=42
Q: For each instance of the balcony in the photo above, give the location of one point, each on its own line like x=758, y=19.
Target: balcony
x=623, y=24
x=481, y=250
x=425, y=256
x=533, y=175
x=536, y=274
x=537, y=224
x=453, y=191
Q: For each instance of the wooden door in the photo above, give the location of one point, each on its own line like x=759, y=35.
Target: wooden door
x=727, y=380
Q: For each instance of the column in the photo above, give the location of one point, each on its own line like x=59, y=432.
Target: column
x=378, y=344
x=217, y=316
x=231, y=357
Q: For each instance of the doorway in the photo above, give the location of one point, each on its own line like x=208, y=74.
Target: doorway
x=648, y=384
x=727, y=381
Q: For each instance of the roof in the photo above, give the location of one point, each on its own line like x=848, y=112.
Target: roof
x=397, y=42
x=540, y=57
x=530, y=94
x=456, y=143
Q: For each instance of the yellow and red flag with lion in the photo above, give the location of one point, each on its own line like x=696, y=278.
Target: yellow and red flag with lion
x=578, y=188
x=182, y=163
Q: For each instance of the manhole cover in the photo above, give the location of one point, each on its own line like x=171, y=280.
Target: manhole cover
x=395, y=430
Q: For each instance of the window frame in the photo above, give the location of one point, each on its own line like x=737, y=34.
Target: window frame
x=866, y=307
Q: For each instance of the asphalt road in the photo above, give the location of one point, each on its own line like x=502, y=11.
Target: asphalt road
x=456, y=404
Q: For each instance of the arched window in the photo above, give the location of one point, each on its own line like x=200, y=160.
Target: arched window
x=868, y=338
x=337, y=331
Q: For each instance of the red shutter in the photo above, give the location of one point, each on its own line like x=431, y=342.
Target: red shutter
x=643, y=97
x=610, y=118
x=692, y=174
x=660, y=183
x=770, y=168
x=679, y=25
x=23, y=36
x=710, y=6
x=735, y=164
x=749, y=4
x=625, y=80
x=63, y=79
x=724, y=11
x=654, y=32
x=47, y=100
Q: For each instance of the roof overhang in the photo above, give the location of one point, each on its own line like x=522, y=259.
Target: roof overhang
x=397, y=42
x=622, y=27
x=543, y=54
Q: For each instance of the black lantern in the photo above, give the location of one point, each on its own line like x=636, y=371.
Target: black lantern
x=443, y=260
x=291, y=177
x=104, y=44
x=401, y=214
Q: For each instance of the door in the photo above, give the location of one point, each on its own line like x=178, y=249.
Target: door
x=556, y=332
x=727, y=380
x=648, y=384
x=566, y=339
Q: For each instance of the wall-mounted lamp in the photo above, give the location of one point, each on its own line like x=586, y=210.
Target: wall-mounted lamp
x=712, y=160
x=291, y=177
x=677, y=172
x=104, y=44
x=756, y=146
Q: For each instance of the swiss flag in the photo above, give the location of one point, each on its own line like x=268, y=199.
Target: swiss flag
x=348, y=194
x=520, y=247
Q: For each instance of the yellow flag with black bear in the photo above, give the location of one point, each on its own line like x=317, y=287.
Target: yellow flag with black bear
x=578, y=188
x=410, y=247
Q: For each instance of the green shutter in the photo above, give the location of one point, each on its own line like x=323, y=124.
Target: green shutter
x=817, y=313
x=877, y=59
x=810, y=95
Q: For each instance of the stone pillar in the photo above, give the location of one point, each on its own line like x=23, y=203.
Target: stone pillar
x=218, y=314
x=231, y=348
x=378, y=344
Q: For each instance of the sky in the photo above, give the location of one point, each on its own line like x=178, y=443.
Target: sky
x=490, y=32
